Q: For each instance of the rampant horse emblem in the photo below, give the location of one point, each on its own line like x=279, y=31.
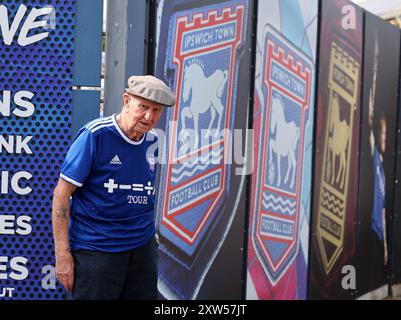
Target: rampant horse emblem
x=206, y=94
x=285, y=142
x=337, y=143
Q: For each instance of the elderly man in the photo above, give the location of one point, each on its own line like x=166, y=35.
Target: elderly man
x=105, y=243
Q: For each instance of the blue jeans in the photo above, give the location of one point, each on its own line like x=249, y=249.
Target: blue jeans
x=128, y=275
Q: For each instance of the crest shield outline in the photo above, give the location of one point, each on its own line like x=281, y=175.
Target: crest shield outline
x=287, y=87
x=195, y=192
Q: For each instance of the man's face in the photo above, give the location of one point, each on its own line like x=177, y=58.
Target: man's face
x=142, y=114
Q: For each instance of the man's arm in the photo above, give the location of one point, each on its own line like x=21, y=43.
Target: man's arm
x=60, y=219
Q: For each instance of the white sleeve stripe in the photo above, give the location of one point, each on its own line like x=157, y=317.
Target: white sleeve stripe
x=102, y=126
x=98, y=124
x=75, y=183
x=94, y=123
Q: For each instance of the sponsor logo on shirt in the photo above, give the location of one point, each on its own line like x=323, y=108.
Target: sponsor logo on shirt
x=111, y=186
x=115, y=160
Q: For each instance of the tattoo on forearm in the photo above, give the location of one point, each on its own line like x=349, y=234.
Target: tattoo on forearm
x=61, y=212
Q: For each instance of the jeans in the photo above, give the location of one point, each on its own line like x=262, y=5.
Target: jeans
x=129, y=275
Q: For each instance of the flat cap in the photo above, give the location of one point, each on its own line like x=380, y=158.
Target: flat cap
x=151, y=88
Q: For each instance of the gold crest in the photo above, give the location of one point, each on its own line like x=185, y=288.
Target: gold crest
x=343, y=89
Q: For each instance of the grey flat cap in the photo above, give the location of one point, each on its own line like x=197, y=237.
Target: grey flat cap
x=151, y=88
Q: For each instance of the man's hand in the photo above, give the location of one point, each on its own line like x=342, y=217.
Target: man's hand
x=65, y=269
x=60, y=219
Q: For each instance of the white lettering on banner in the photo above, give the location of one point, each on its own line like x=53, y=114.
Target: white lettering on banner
x=24, y=109
x=197, y=39
x=8, y=32
x=6, y=292
x=13, y=144
x=224, y=33
x=18, y=268
x=201, y=187
x=14, y=182
x=21, y=226
x=20, y=25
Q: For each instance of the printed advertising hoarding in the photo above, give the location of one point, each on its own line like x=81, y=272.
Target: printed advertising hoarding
x=283, y=123
x=36, y=49
x=202, y=53
x=336, y=161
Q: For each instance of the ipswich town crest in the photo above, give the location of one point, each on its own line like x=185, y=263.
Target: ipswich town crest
x=196, y=177
x=287, y=89
x=334, y=178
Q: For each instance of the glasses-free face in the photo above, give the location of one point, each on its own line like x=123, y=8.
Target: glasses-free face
x=141, y=114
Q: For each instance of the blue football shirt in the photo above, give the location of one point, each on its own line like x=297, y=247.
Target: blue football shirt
x=112, y=210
